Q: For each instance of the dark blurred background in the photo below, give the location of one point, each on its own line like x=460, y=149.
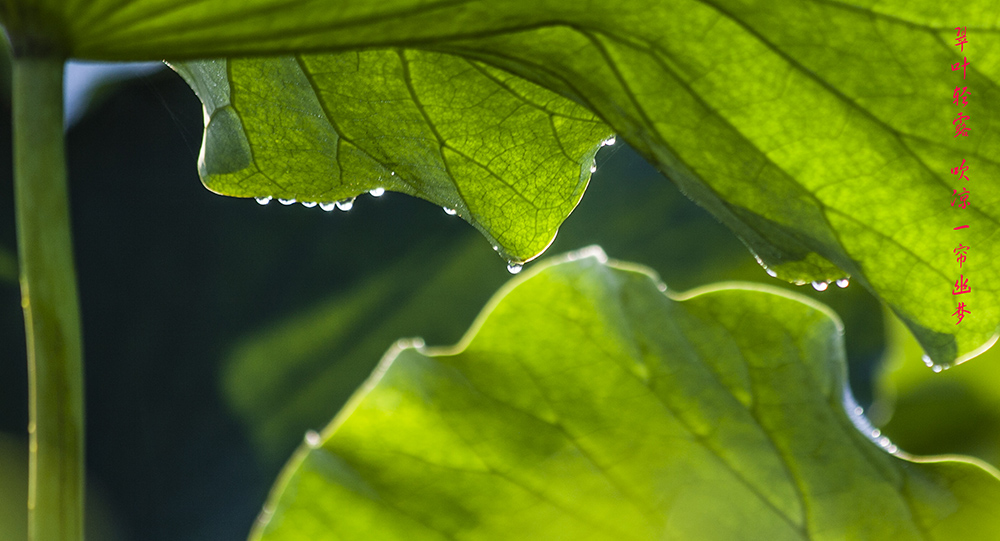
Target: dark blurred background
x=217, y=331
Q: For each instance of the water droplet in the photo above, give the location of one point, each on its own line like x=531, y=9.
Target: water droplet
x=884, y=442
x=346, y=204
x=771, y=273
x=263, y=200
x=892, y=448
x=328, y=206
x=937, y=368
x=377, y=192
x=496, y=248
x=514, y=268
x=593, y=167
x=799, y=283
x=927, y=361
x=843, y=282
x=449, y=212
x=859, y=410
x=286, y=201
x=393, y=173
x=662, y=287
x=308, y=204
x=820, y=286
x=876, y=433
x=312, y=439
x=609, y=141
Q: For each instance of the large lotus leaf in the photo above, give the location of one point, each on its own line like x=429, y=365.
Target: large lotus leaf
x=586, y=404
x=821, y=132
x=929, y=410
x=509, y=156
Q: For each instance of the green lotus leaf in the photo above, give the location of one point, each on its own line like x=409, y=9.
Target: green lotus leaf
x=587, y=404
x=822, y=133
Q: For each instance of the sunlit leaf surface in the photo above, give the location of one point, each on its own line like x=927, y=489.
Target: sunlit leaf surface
x=821, y=132
x=508, y=156
x=586, y=404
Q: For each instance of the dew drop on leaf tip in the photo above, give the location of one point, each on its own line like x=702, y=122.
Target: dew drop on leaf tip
x=514, y=268
x=312, y=439
x=328, y=206
x=843, y=282
x=609, y=141
x=308, y=204
x=820, y=285
x=377, y=192
x=346, y=204
x=286, y=201
x=263, y=200
x=449, y=212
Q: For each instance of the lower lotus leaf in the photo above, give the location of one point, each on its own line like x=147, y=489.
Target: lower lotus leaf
x=587, y=404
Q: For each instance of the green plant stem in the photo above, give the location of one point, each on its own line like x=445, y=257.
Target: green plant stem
x=49, y=299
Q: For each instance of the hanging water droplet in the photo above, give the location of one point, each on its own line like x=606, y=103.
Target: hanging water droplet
x=892, y=448
x=346, y=204
x=884, y=442
x=662, y=287
x=286, y=201
x=593, y=167
x=843, y=282
x=876, y=433
x=263, y=200
x=377, y=192
x=937, y=368
x=609, y=141
x=328, y=206
x=496, y=248
x=771, y=273
x=308, y=204
x=859, y=410
x=312, y=439
x=800, y=282
x=927, y=361
x=514, y=268
x=449, y=212
x=820, y=286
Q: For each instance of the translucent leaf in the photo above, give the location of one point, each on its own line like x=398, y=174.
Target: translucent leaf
x=586, y=404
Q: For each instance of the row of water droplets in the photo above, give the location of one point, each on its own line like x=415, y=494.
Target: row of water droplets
x=858, y=419
x=513, y=267
x=937, y=368
x=344, y=204
x=818, y=285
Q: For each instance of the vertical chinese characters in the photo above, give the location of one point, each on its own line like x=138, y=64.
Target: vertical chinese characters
x=960, y=98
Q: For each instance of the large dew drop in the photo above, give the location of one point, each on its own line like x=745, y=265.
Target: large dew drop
x=820, y=286
x=514, y=268
x=449, y=212
x=263, y=200
x=286, y=201
x=609, y=141
x=346, y=204
x=308, y=204
x=328, y=206
x=843, y=282
x=312, y=439
x=377, y=192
